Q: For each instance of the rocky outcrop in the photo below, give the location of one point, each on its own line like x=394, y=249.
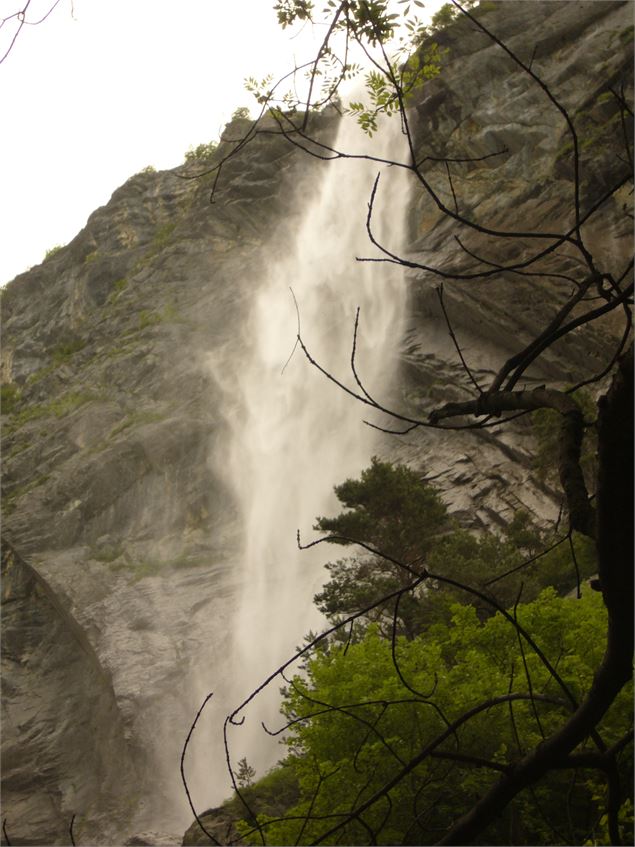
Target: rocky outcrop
x=481, y=104
x=121, y=532
x=219, y=823
x=111, y=412
x=59, y=705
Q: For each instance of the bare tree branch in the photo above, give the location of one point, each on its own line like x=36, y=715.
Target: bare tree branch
x=572, y=430
x=20, y=16
x=182, y=766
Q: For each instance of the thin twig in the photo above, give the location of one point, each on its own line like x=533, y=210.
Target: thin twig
x=182, y=764
x=525, y=665
x=295, y=346
x=448, y=323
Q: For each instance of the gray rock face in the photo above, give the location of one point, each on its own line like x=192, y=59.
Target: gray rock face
x=110, y=494
x=60, y=706
x=125, y=532
x=482, y=104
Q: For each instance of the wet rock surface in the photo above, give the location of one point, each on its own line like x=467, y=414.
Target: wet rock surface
x=114, y=425
x=61, y=721
x=119, y=571
x=219, y=823
x=519, y=179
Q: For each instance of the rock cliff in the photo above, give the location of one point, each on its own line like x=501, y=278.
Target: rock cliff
x=110, y=416
x=482, y=103
x=119, y=565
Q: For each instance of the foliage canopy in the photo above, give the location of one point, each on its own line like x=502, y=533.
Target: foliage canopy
x=353, y=726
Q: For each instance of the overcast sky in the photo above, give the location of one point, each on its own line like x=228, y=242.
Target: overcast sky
x=103, y=88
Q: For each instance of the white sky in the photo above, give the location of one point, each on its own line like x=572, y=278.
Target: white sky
x=103, y=88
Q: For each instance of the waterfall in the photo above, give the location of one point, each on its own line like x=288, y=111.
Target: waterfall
x=294, y=434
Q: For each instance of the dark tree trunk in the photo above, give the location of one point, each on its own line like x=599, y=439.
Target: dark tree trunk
x=615, y=562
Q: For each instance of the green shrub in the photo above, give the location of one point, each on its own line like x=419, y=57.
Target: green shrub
x=62, y=406
x=117, y=287
x=40, y=374
x=148, y=317
x=443, y=17
x=605, y=97
x=135, y=419
x=486, y=6
x=19, y=446
x=272, y=795
x=353, y=724
x=59, y=407
x=10, y=396
x=162, y=567
x=169, y=313
x=53, y=251
x=448, y=13
x=66, y=349
x=241, y=112
x=108, y=553
x=162, y=236
x=10, y=500
x=201, y=153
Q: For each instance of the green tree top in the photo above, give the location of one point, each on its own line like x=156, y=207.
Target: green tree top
x=391, y=509
x=368, y=727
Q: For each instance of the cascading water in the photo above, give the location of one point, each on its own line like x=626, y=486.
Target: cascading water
x=294, y=434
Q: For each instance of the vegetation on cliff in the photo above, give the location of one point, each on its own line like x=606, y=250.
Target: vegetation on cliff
x=407, y=732
x=356, y=719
